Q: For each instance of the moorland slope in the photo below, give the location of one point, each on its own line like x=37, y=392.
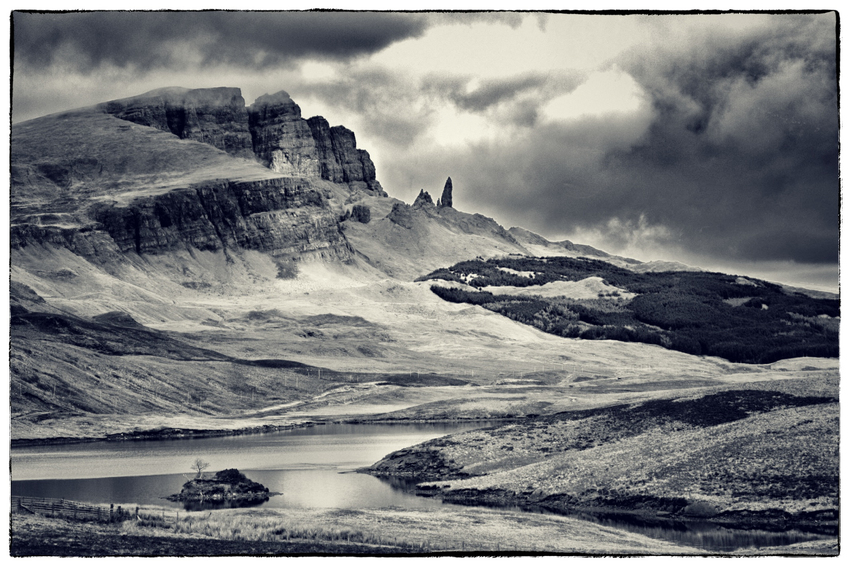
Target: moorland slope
x=164, y=276
x=183, y=264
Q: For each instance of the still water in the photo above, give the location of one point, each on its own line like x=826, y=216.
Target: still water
x=311, y=468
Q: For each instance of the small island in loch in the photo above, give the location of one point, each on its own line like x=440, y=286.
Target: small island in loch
x=227, y=486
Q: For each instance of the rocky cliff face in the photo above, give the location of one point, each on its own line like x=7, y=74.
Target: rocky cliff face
x=271, y=130
x=282, y=216
x=283, y=141
x=213, y=116
x=101, y=187
x=288, y=144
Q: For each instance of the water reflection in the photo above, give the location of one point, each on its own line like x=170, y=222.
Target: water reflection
x=197, y=506
x=341, y=446
x=703, y=535
x=317, y=488
x=309, y=468
x=303, y=465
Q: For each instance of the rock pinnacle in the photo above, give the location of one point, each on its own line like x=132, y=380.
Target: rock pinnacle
x=446, y=199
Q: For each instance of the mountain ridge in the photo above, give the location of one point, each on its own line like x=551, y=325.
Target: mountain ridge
x=116, y=223
x=187, y=180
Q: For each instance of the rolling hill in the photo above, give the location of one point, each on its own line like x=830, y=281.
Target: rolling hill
x=185, y=265
x=163, y=246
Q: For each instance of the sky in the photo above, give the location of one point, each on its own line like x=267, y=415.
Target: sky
x=708, y=139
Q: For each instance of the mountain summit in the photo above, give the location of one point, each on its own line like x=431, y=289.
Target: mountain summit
x=272, y=130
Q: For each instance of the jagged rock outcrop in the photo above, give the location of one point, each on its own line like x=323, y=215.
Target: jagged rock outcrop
x=361, y=213
x=340, y=160
x=282, y=216
x=271, y=130
x=283, y=141
x=402, y=215
x=213, y=116
x=423, y=199
x=446, y=199
x=288, y=144
x=358, y=169
x=329, y=167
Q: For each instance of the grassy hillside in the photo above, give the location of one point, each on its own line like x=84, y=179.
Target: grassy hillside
x=701, y=313
x=65, y=367
x=194, y=340
x=762, y=455
x=63, y=163
x=114, y=342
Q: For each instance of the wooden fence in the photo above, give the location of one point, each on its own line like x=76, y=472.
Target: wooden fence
x=59, y=507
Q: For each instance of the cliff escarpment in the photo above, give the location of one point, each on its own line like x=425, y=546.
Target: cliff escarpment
x=213, y=116
x=271, y=131
x=286, y=143
x=186, y=169
x=282, y=216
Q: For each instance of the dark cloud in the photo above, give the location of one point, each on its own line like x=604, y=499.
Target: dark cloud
x=515, y=100
x=748, y=126
x=736, y=156
x=487, y=94
x=150, y=40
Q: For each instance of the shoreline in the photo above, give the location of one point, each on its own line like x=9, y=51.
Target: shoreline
x=169, y=433
x=823, y=522
x=172, y=433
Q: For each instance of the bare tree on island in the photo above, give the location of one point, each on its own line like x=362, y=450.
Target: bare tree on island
x=200, y=465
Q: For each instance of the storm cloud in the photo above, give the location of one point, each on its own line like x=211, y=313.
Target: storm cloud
x=734, y=155
x=147, y=40
x=709, y=139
